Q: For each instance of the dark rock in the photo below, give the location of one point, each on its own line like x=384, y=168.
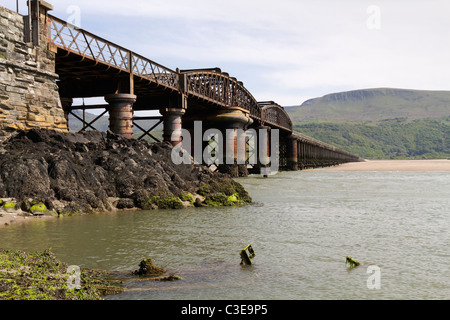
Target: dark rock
x=147, y=268
x=198, y=203
x=82, y=172
x=125, y=204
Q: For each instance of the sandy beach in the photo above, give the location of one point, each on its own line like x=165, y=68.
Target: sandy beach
x=10, y=218
x=394, y=165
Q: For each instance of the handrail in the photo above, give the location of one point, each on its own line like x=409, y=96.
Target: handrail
x=211, y=85
x=220, y=88
x=306, y=139
x=274, y=114
x=71, y=38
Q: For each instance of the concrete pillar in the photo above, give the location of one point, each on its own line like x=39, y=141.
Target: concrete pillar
x=308, y=155
x=172, y=124
x=230, y=121
x=263, y=154
x=299, y=152
x=235, y=145
x=121, y=113
x=292, y=154
x=234, y=120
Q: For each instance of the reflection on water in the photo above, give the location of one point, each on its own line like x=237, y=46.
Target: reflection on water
x=302, y=226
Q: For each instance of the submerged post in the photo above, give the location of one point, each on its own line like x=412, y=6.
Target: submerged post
x=247, y=255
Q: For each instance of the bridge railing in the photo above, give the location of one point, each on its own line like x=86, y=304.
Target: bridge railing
x=210, y=85
x=274, y=114
x=217, y=87
x=306, y=139
x=72, y=39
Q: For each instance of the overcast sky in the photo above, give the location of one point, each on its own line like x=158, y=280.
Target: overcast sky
x=287, y=51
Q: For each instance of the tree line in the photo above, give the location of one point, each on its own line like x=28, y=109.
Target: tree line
x=398, y=138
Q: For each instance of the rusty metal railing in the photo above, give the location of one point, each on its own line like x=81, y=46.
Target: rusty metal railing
x=81, y=42
x=210, y=85
x=275, y=115
x=218, y=87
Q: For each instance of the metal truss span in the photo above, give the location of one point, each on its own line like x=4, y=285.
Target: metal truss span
x=274, y=115
x=90, y=66
x=91, y=47
x=215, y=86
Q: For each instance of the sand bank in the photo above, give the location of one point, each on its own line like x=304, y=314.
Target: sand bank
x=10, y=218
x=394, y=165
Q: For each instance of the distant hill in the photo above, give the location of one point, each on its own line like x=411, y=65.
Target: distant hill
x=101, y=124
x=374, y=105
x=380, y=123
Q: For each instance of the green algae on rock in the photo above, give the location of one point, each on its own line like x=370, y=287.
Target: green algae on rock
x=170, y=202
x=40, y=276
x=147, y=268
x=38, y=208
x=9, y=206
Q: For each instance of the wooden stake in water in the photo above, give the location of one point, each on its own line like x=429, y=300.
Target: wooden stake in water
x=352, y=262
x=247, y=255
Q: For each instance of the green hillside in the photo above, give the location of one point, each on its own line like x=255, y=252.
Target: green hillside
x=386, y=139
x=374, y=105
x=380, y=123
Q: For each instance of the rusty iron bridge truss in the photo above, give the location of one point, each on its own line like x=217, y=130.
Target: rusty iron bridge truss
x=90, y=66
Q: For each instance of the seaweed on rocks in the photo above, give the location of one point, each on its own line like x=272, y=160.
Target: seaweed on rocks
x=94, y=171
x=41, y=276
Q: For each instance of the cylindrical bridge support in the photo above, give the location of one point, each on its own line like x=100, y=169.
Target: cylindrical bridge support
x=233, y=123
x=172, y=125
x=262, y=165
x=121, y=113
x=292, y=154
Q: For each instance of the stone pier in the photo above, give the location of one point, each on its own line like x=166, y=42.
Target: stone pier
x=121, y=113
x=29, y=95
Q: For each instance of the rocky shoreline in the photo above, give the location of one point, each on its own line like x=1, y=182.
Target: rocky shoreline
x=44, y=172
x=41, y=276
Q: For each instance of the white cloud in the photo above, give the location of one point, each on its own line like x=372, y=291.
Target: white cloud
x=287, y=48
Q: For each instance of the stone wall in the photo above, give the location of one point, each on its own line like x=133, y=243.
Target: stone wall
x=29, y=96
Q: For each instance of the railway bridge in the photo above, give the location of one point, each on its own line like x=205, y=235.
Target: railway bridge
x=90, y=66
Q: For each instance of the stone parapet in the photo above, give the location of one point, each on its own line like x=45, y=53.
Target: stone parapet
x=29, y=96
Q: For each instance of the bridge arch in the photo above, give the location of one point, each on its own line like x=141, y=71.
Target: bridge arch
x=217, y=87
x=274, y=115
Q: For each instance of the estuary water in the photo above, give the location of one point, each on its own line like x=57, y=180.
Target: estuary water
x=301, y=226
